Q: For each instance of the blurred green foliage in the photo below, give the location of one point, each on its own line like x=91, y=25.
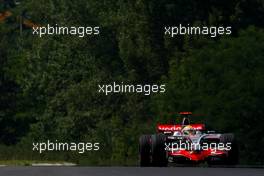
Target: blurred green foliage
x=49, y=85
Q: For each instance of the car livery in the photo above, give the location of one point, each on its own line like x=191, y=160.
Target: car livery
x=171, y=144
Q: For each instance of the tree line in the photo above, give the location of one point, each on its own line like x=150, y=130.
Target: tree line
x=49, y=85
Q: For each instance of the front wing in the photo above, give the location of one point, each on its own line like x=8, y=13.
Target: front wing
x=197, y=156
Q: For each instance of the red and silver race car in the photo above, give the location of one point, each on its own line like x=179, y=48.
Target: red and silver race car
x=187, y=143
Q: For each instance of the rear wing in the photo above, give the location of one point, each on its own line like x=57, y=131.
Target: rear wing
x=161, y=128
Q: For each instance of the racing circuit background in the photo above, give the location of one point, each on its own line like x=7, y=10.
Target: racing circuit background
x=49, y=84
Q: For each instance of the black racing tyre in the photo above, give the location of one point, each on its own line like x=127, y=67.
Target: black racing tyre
x=158, y=152
x=144, y=151
x=233, y=153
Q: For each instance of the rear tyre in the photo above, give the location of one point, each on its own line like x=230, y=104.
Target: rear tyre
x=232, y=158
x=144, y=150
x=159, y=154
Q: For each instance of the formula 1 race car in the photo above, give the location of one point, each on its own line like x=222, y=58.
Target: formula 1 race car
x=187, y=143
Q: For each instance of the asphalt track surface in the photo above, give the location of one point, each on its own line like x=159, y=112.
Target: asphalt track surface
x=128, y=171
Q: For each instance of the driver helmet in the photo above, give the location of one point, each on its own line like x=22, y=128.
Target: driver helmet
x=188, y=130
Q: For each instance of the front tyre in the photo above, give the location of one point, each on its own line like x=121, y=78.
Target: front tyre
x=158, y=152
x=232, y=157
x=144, y=150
